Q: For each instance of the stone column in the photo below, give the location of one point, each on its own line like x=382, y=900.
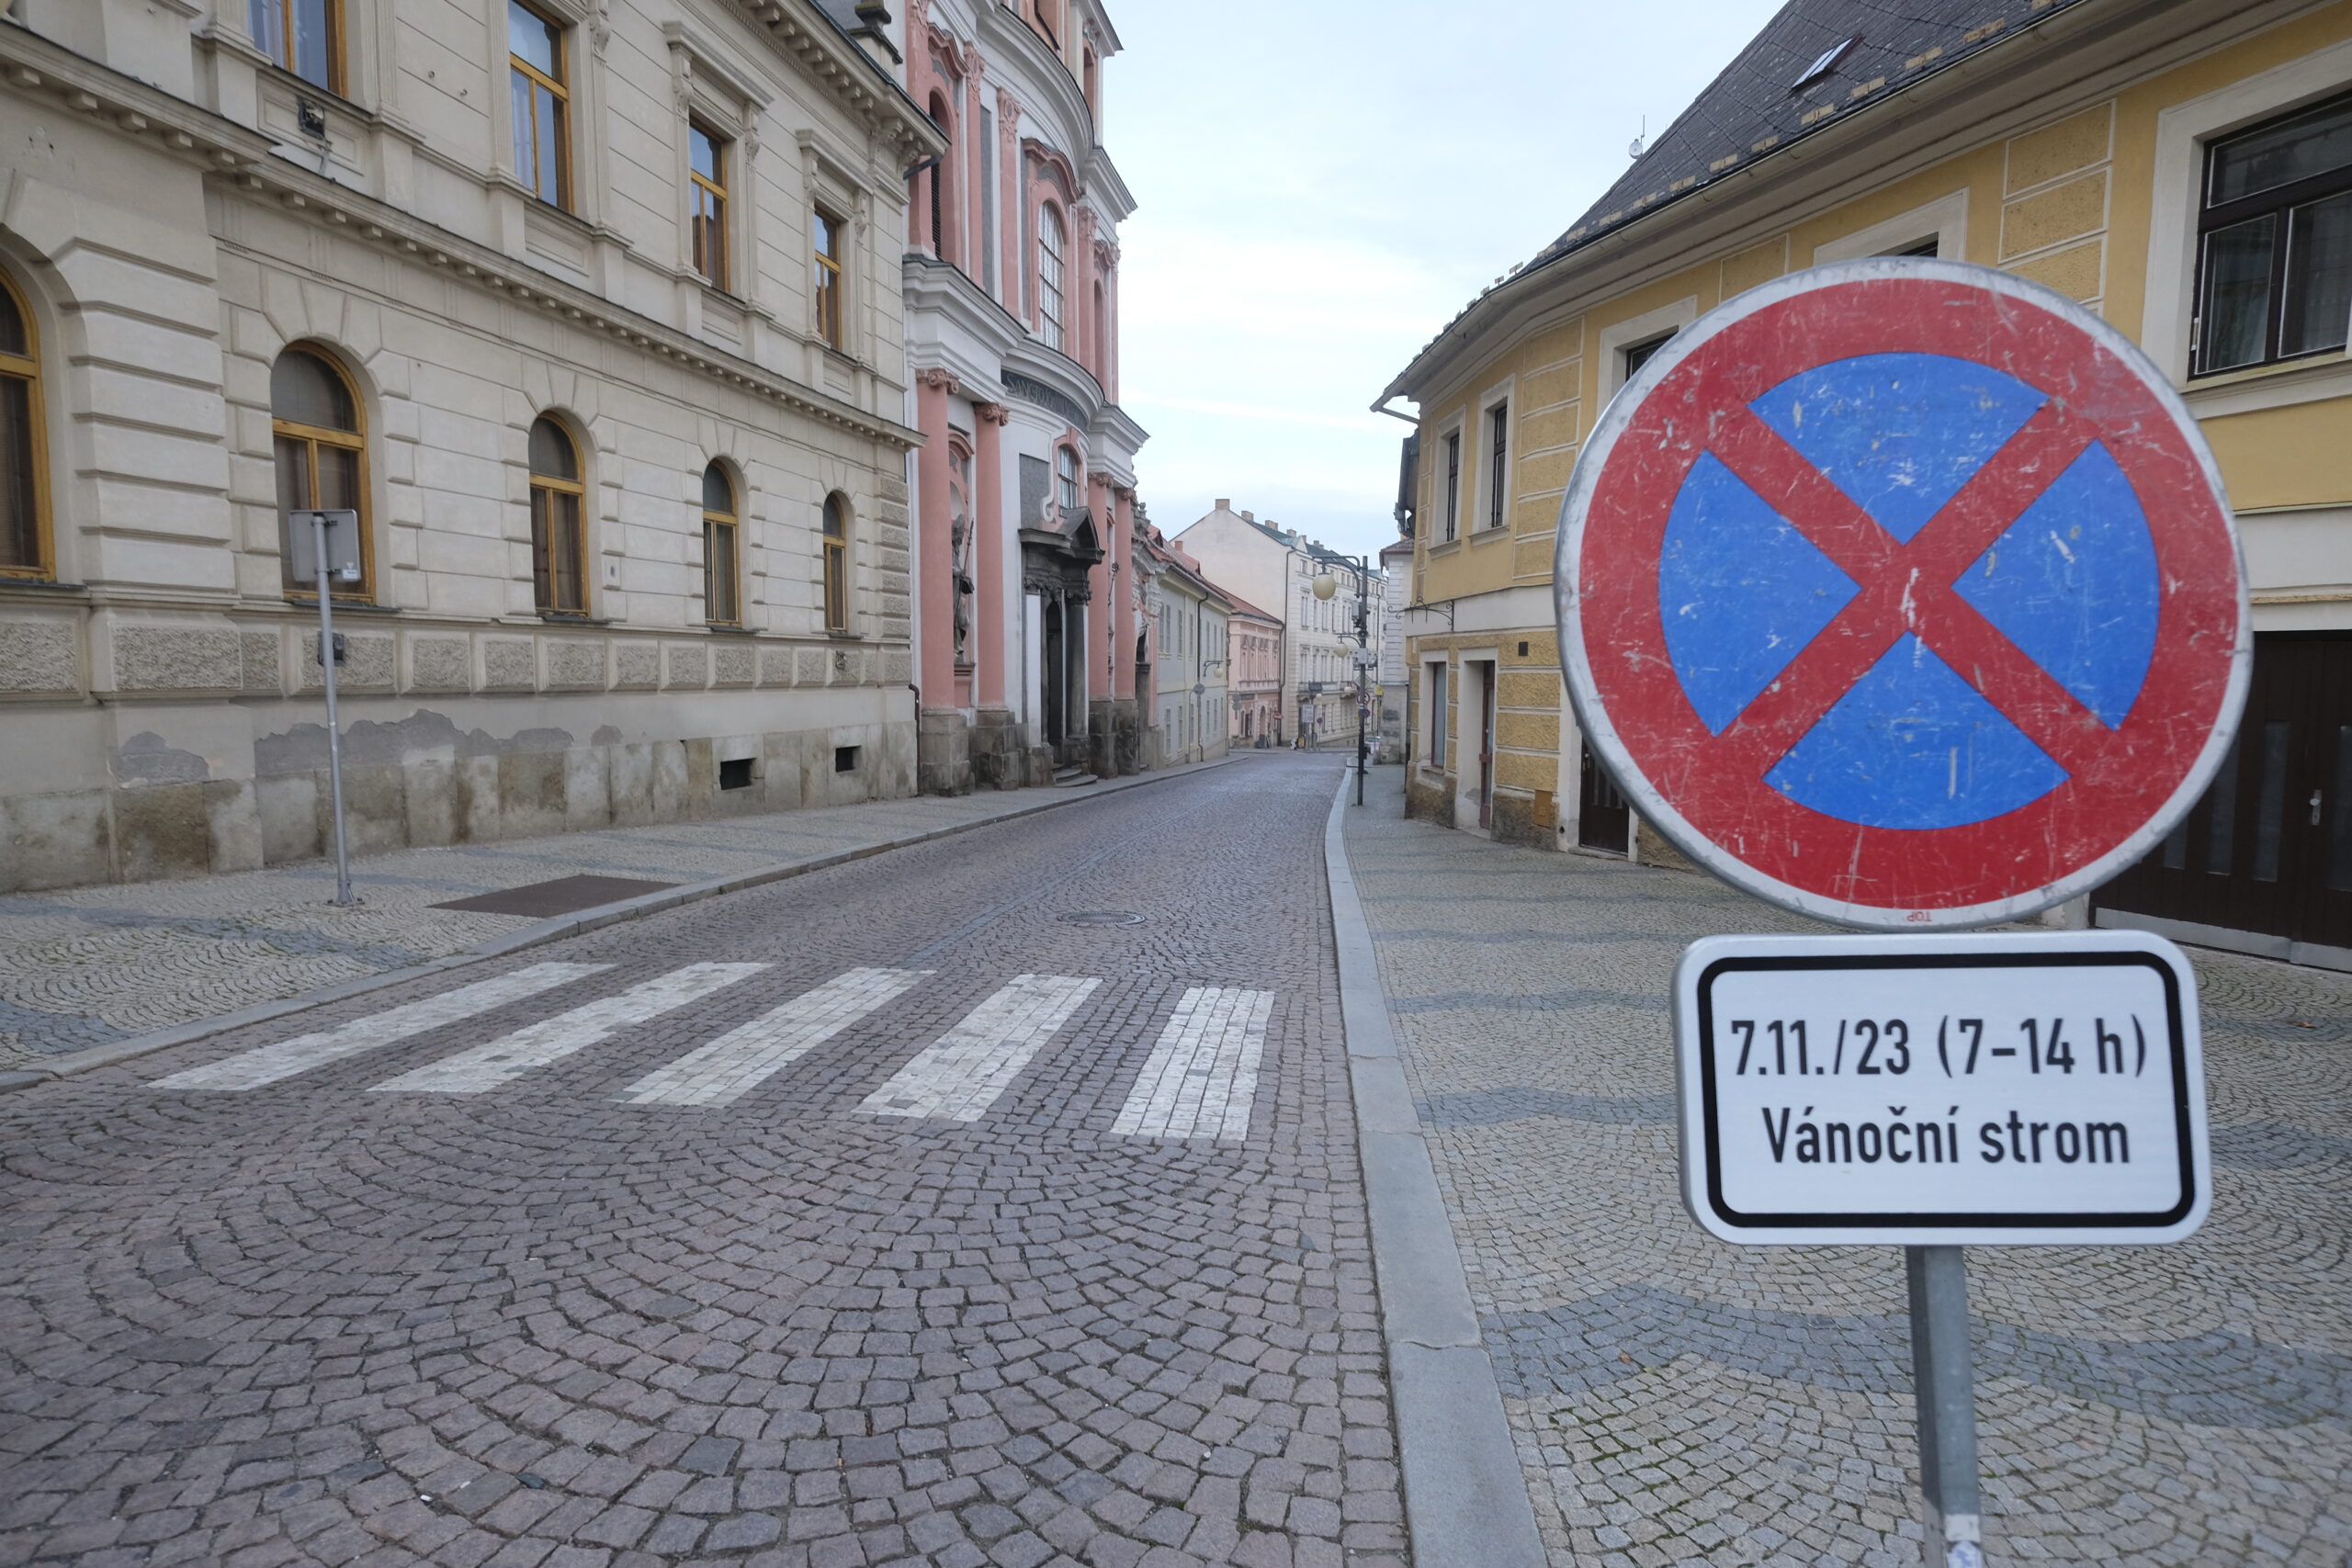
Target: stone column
x=1123, y=528
x=943, y=764
x=991, y=550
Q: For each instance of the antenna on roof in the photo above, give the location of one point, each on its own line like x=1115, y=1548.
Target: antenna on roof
x=1636, y=149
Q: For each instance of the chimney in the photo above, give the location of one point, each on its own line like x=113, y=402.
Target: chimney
x=1247, y=515
x=1225, y=503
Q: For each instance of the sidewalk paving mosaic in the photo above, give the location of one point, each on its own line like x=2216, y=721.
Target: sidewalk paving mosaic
x=1677, y=1399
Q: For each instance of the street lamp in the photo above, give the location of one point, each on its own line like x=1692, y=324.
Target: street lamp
x=1324, y=585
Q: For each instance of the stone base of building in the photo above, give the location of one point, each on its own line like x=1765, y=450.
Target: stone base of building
x=413, y=777
x=1429, y=798
x=999, y=752
x=1114, y=738
x=943, y=753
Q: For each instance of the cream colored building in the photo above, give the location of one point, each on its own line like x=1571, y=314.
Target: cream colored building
x=2183, y=169
x=591, y=311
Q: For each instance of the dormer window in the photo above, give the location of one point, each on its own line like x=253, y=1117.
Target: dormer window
x=1824, y=63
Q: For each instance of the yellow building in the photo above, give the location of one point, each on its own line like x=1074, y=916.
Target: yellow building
x=2183, y=169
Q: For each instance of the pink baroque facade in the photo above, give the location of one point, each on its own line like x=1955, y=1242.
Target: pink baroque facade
x=1028, y=650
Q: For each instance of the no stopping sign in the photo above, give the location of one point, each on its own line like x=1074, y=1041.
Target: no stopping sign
x=1904, y=592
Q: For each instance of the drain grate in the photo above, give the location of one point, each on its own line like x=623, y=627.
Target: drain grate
x=1102, y=918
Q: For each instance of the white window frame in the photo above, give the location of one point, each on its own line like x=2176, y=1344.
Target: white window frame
x=1481, y=483
x=2182, y=133
x=1636, y=330
x=1944, y=220
x=1450, y=520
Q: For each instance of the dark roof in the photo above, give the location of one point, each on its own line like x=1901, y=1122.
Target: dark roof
x=1754, y=107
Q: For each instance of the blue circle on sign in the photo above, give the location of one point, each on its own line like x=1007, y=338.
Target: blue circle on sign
x=2071, y=582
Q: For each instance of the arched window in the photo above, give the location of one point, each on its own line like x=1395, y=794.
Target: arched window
x=836, y=565
x=1066, y=470
x=322, y=456
x=24, y=445
x=1050, y=243
x=943, y=195
x=558, y=546
x=721, y=569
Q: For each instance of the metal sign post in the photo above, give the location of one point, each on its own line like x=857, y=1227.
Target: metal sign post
x=332, y=538
x=1904, y=593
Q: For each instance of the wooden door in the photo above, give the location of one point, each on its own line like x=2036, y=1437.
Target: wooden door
x=1486, y=745
x=2269, y=848
x=1604, y=821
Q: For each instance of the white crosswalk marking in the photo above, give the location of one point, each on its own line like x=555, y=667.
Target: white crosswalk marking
x=747, y=1056
x=267, y=1063
x=1201, y=1078
x=552, y=1039
x=962, y=1074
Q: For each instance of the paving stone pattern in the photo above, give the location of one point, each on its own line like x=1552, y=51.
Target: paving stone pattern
x=93, y=966
x=1678, y=1399
x=541, y=1325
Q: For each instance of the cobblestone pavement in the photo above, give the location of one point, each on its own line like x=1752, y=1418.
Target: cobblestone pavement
x=633, y=1279
x=1678, y=1399
x=92, y=965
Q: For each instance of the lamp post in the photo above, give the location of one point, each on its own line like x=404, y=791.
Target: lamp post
x=1326, y=585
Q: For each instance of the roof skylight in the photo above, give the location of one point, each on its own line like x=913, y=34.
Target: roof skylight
x=1825, y=64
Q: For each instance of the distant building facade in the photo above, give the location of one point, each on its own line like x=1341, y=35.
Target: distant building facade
x=589, y=313
x=1396, y=589
x=1255, y=662
x=1026, y=598
x=1189, y=668
x=1275, y=569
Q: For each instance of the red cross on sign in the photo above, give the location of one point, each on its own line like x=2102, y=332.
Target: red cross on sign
x=1904, y=592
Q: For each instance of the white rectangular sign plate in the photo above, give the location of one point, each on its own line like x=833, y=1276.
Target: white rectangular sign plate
x=1941, y=1090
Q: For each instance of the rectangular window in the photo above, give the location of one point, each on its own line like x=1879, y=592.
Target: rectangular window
x=706, y=180
x=303, y=36
x=1437, y=716
x=719, y=572
x=542, y=93
x=826, y=247
x=1640, y=354
x=1452, y=485
x=1497, y=461
x=2274, y=277
x=987, y=202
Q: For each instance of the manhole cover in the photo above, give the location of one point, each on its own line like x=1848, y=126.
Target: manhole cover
x=1104, y=917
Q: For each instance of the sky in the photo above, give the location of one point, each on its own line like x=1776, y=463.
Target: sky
x=1321, y=184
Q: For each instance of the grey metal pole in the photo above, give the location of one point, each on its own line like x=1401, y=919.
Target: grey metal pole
x=325, y=586
x=1942, y=1377
x=1364, y=645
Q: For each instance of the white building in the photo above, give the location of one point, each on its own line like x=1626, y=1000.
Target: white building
x=1395, y=592
x=1189, y=622
x=590, y=310
x=1275, y=570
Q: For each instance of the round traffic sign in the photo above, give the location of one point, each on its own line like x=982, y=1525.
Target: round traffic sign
x=1904, y=592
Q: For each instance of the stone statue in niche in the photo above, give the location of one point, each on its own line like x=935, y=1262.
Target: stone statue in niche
x=959, y=539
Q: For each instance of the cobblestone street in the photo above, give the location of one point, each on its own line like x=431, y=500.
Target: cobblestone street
x=883, y=1215
x=91, y=966
x=1678, y=1399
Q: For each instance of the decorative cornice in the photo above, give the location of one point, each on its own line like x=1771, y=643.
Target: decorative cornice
x=1052, y=159
x=219, y=147
x=993, y=413
x=940, y=380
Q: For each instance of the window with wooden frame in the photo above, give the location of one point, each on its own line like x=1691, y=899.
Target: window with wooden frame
x=707, y=187
x=825, y=245
x=2275, y=242
x=836, y=564
x=303, y=36
x=1052, y=240
x=942, y=183
x=322, y=451
x=24, y=442
x=1066, y=476
x=559, y=533
x=540, y=78
x=1497, y=461
x=1452, y=486
x=722, y=556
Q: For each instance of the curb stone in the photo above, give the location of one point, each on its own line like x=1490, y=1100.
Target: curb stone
x=538, y=935
x=1465, y=1496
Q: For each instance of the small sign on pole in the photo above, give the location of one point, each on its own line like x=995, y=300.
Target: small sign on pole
x=323, y=545
x=1905, y=594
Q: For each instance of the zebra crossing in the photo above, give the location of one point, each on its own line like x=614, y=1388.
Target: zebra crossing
x=1200, y=1080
